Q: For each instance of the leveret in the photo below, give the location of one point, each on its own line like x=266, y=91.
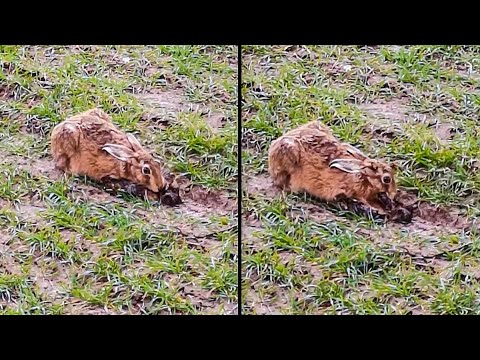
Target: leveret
x=89, y=144
x=311, y=159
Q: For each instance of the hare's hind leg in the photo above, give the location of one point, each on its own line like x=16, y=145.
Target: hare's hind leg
x=62, y=163
x=282, y=180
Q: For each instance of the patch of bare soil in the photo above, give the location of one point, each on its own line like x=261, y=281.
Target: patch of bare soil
x=50, y=281
x=216, y=121
x=299, y=52
x=162, y=107
x=198, y=196
x=206, y=300
x=43, y=167
x=447, y=218
x=396, y=110
x=95, y=194
x=261, y=185
x=30, y=212
x=387, y=82
x=8, y=264
x=270, y=303
x=336, y=68
x=256, y=303
x=315, y=212
x=389, y=119
x=386, y=120
x=226, y=308
x=444, y=131
x=79, y=307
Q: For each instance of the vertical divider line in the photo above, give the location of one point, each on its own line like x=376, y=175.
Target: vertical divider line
x=239, y=176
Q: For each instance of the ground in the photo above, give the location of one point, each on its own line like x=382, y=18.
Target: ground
x=69, y=247
x=417, y=105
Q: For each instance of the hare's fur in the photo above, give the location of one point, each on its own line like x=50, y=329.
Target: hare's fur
x=310, y=159
x=90, y=144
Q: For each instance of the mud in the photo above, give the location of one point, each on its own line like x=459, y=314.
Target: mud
x=406, y=207
x=433, y=214
x=441, y=216
x=211, y=198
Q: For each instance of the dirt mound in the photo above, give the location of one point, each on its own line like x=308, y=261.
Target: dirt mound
x=434, y=214
x=441, y=216
x=210, y=198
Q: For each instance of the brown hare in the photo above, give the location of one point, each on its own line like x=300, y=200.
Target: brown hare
x=89, y=144
x=310, y=159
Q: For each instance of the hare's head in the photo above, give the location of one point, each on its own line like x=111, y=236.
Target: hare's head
x=379, y=175
x=141, y=167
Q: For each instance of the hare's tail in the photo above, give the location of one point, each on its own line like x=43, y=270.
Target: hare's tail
x=284, y=154
x=65, y=140
x=284, y=158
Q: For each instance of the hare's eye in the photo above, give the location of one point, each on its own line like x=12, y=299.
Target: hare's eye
x=146, y=170
x=386, y=179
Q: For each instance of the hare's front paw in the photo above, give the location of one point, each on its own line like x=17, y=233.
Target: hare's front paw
x=385, y=200
x=170, y=198
x=401, y=213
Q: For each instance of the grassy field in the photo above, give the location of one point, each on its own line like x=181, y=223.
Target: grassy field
x=69, y=247
x=417, y=105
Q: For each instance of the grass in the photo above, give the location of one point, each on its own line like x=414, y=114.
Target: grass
x=67, y=246
x=417, y=105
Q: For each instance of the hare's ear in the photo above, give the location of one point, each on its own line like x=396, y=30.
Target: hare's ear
x=351, y=166
x=353, y=150
x=119, y=152
x=134, y=142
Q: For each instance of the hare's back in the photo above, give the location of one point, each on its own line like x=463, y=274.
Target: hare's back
x=101, y=133
x=91, y=115
x=89, y=128
x=313, y=128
